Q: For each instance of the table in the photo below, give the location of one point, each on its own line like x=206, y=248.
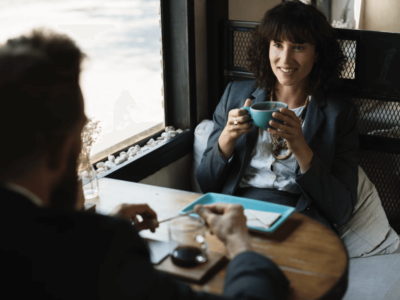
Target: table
x=311, y=256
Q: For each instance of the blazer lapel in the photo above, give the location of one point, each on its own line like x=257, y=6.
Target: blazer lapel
x=314, y=119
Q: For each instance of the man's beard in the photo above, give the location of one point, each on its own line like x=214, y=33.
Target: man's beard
x=64, y=195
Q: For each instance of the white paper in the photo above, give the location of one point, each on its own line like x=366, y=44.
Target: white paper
x=261, y=219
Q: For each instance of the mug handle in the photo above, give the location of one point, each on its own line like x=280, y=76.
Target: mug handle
x=246, y=108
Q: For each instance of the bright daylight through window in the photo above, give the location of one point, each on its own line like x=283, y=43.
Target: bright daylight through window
x=122, y=79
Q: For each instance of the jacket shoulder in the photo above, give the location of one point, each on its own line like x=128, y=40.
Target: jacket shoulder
x=87, y=228
x=340, y=109
x=337, y=102
x=101, y=224
x=238, y=92
x=246, y=86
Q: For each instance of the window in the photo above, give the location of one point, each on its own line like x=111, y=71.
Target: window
x=122, y=79
x=126, y=39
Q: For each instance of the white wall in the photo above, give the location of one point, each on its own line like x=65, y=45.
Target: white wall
x=250, y=10
x=377, y=15
x=382, y=15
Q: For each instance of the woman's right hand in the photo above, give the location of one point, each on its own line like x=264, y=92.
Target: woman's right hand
x=232, y=132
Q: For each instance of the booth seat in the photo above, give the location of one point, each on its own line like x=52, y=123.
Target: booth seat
x=374, y=264
x=374, y=278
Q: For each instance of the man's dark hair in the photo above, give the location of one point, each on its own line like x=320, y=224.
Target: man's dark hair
x=40, y=97
x=298, y=23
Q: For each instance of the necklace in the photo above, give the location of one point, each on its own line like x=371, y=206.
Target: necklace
x=279, y=143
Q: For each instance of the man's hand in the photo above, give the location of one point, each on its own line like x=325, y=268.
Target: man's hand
x=131, y=211
x=228, y=223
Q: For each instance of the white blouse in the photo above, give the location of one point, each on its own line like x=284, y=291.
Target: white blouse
x=265, y=171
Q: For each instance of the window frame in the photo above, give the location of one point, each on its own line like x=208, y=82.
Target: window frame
x=179, y=79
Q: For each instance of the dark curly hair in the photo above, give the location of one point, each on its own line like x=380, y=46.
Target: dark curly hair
x=39, y=91
x=300, y=23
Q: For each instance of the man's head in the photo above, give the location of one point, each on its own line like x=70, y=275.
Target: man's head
x=42, y=110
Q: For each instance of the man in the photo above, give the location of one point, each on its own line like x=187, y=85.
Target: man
x=51, y=250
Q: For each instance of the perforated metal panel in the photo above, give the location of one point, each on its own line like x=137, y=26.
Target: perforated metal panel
x=241, y=42
x=349, y=49
x=381, y=118
x=378, y=117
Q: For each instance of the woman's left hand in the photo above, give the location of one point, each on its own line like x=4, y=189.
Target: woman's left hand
x=290, y=130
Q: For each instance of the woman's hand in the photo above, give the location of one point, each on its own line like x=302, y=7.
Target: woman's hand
x=292, y=131
x=237, y=125
x=131, y=211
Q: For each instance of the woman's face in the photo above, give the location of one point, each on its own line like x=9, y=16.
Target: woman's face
x=291, y=63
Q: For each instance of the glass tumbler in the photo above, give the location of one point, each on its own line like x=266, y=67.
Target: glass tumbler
x=187, y=237
x=89, y=182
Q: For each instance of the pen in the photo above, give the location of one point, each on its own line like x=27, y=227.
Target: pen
x=169, y=219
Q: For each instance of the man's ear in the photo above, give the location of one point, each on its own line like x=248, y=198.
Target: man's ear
x=59, y=151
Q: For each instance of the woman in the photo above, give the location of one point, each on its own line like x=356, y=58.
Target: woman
x=310, y=165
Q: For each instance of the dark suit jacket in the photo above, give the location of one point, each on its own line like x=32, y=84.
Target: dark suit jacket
x=329, y=187
x=63, y=255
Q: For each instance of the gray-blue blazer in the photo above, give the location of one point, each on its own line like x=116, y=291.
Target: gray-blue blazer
x=329, y=187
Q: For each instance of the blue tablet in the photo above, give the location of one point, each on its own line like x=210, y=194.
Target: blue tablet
x=211, y=198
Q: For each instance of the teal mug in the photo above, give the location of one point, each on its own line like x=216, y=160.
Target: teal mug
x=261, y=113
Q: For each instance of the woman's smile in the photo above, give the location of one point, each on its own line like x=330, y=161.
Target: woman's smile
x=287, y=71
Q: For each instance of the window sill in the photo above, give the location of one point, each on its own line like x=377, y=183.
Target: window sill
x=148, y=163
x=136, y=139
